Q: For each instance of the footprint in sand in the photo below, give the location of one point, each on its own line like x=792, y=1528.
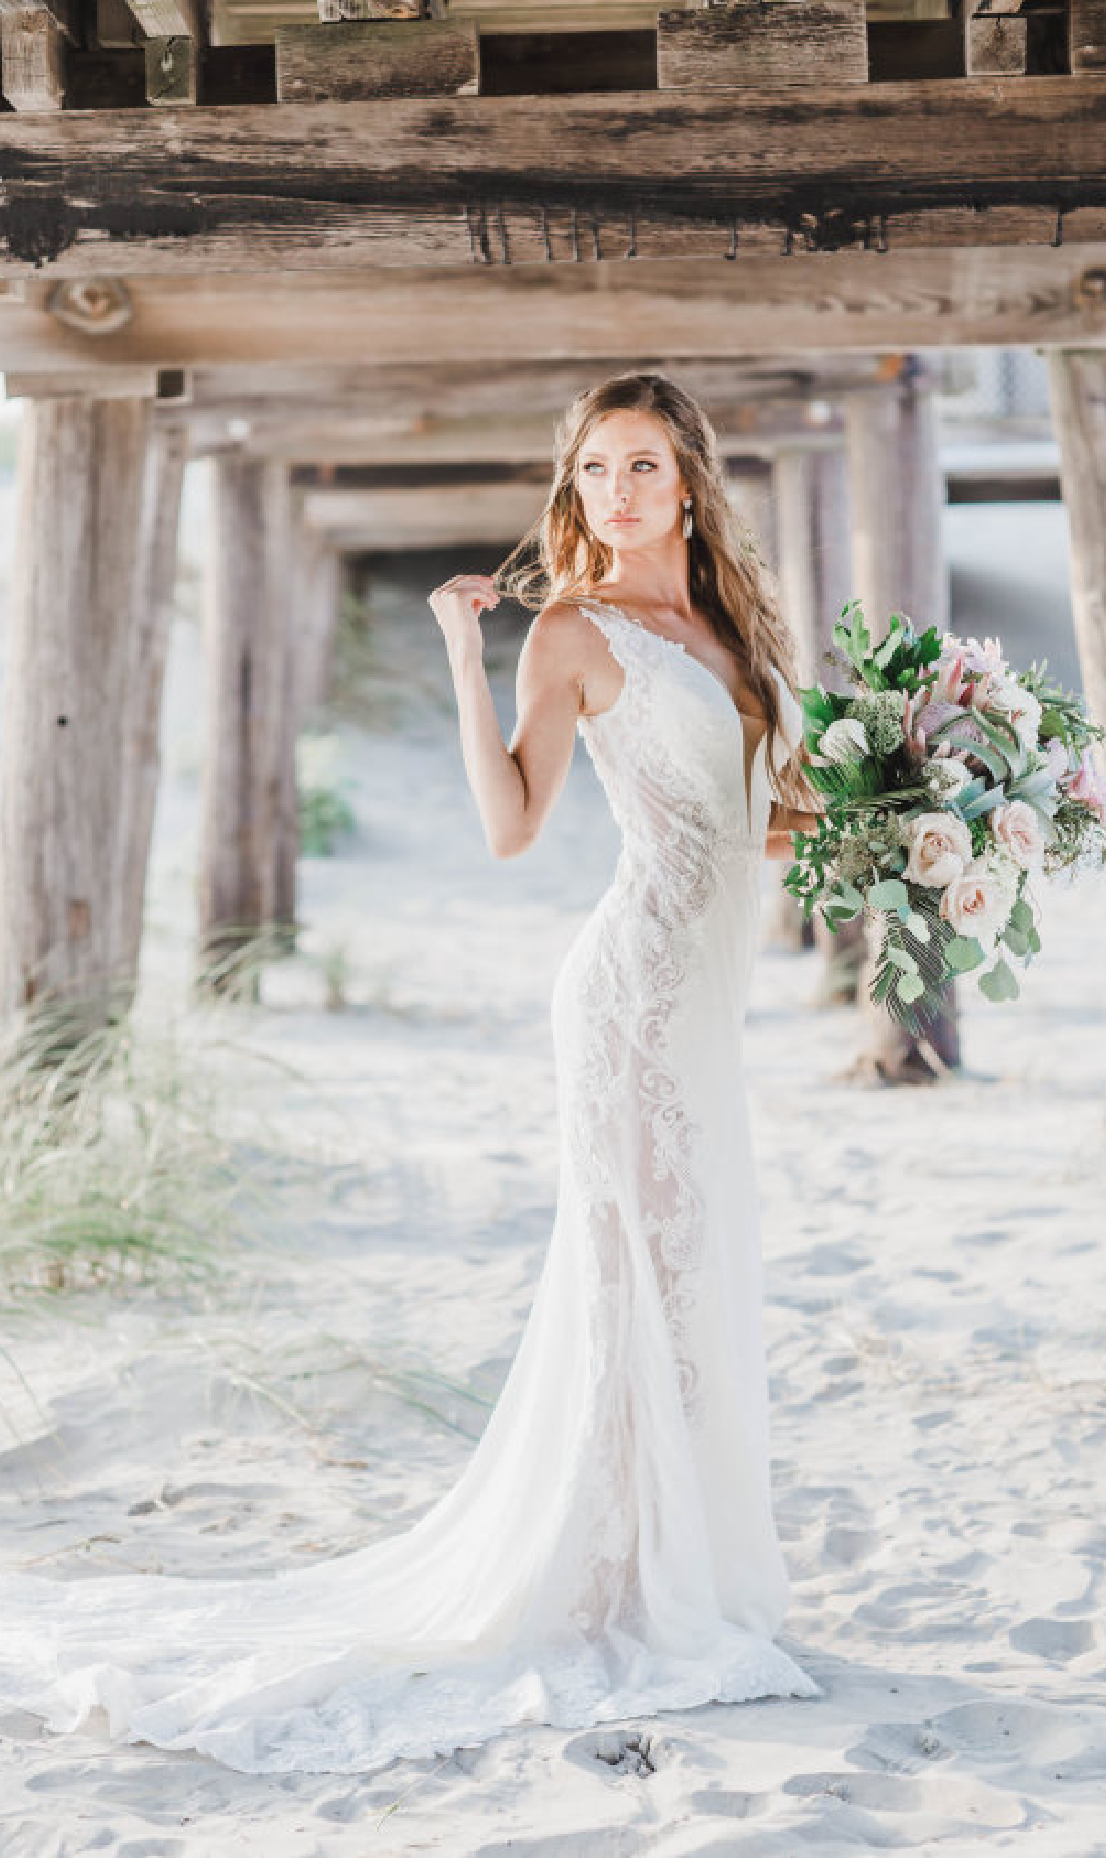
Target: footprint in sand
x=1056, y=1639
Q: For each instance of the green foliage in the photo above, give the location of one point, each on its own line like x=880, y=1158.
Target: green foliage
x=324, y=814
x=901, y=659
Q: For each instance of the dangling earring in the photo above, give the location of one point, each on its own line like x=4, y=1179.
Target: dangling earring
x=688, y=522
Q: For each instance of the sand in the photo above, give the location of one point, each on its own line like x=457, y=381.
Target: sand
x=935, y=1282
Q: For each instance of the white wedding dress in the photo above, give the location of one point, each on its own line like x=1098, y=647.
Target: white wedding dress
x=609, y=1550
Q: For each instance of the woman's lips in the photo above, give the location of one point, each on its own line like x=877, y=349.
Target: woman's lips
x=621, y=519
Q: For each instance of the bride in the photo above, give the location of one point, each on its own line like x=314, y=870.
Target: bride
x=609, y=1549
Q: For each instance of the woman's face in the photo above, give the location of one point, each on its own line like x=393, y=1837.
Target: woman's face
x=629, y=481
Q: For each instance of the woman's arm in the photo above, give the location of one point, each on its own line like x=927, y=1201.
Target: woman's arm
x=782, y=822
x=514, y=787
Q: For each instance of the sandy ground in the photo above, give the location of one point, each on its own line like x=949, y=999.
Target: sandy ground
x=935, y=1283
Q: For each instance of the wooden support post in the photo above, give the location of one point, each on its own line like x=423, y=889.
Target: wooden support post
x=414, y=58
x=172, y=65
x=1078, y=384
x=64, y=781
x=995, y=44
x=147, y=650
x=896, y=495
x=751, y=495
x=316, y=584
x=792, y=483
x=1087, y=35
x=32, y=54
x=247, y=875
x=749, y=45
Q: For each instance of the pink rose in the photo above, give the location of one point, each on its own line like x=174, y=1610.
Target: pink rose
x=1088, y=786
x=940, y=846
x=977, y=903
x=1018, y=830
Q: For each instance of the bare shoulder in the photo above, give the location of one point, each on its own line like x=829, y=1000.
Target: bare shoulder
x=562, y=639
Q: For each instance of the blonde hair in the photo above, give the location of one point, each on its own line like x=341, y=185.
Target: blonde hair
x=728, y=579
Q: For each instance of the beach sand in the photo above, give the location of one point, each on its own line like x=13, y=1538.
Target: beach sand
x=935, y=1278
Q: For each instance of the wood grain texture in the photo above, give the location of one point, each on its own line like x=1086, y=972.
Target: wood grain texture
x=67, y=710
x=420, y=58
x=1078, y=388
x=32, y=61
x=1087, y=30
x=169, y=19
x=995, y=45
x=588, y=314
x=247, y=859
x=761, y=44
x=543, y=180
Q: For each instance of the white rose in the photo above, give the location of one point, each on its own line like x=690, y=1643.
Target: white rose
x=940, y=847
x=978, y=902
x=1018, y=831
x=1020, y=706
x=844, y=740
x=946, y=777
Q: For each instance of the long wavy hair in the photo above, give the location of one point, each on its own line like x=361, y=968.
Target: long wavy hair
x=560, y=559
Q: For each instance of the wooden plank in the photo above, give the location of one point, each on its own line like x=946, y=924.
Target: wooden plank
x=251, y=189
x=81, y=477
x=331, y=11
x=32, y=56
x=65, y=14
x=424, y=58
x=400, y=519
x=169, y=19
x=749, y=45
x=995, y=45
x=171, y=71
x=1087, y=35
x=1078, y=387
x=594, y=315
x=76, y=383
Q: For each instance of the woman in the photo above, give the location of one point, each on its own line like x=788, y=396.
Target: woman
x=609, y=1548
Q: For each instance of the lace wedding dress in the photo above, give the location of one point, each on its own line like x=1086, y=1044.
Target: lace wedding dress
x=609, y=1549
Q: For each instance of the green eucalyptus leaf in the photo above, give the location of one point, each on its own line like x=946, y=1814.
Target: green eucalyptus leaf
x=963, y=952
x=999, y=982
x=890, y=894
x=911, y=987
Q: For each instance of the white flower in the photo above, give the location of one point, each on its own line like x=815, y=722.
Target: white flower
x=940, y=847
x=1018, y=705
x=946, y=777
x=844, y=740
x=978, y=902
x=1017, y=831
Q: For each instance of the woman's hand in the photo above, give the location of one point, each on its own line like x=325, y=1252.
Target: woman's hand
x=457, y=605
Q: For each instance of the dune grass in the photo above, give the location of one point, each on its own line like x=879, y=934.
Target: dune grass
x=115, y=1162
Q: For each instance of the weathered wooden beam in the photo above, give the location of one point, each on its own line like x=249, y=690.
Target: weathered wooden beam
x=247, y=862
x=82, y=468
x=748, y=45
x=1078, y=388
x=169, y=19
x=995, y=45
x=330, y=12
x=421, y=58
x=595, y=317
x=146, y=653
x=1087, y=35
x=32, y=60
x=547, y=180
x=172, y=71
x=496, y=514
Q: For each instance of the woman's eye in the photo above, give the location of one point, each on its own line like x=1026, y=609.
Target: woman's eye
x=592, y=465
x=644, y=464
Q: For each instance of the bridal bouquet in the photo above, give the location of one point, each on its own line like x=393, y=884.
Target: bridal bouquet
x=950, y=782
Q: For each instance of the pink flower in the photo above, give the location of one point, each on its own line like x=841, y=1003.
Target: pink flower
x=1088, y=785
x=1056, y=757
x=949, y=681
x=940, y=845
x=986, y=657
x=1018, y=830
x=977, y=903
